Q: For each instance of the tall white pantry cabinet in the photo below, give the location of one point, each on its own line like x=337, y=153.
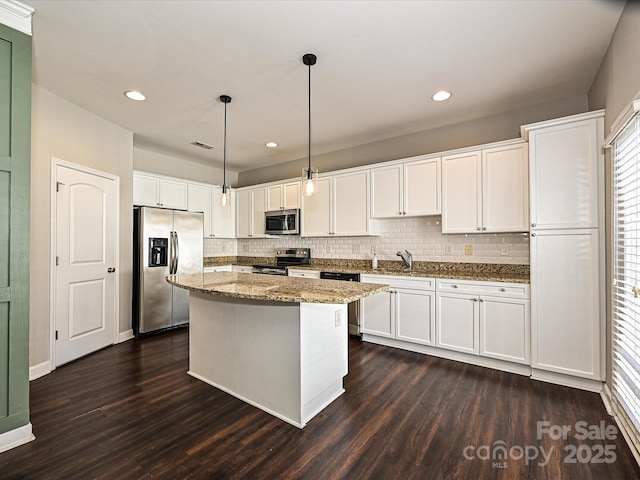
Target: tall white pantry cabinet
x=566, y=172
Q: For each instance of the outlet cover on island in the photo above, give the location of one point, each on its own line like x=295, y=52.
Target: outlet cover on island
x=468, y=249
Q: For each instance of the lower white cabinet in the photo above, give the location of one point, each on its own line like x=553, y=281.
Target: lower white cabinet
x=303, y=273
x=242, y=269
x=405, y=312
x=218, y=268
x=490, y=319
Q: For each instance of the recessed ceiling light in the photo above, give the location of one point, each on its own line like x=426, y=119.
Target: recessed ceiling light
x=271, y=144
x=135, y=95
x=441, y=96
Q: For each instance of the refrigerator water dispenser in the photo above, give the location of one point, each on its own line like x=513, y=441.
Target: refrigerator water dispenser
x=158, y=248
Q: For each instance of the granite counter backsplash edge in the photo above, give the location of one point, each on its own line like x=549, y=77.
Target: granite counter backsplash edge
x=426, y=267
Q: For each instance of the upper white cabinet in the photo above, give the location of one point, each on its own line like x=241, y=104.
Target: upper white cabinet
x=486, y=191
x=406, y=189
x=158, y=191
x=563, y=170
x=250, y=207
x=219, y=221
x=284, y=196
x=340, y=207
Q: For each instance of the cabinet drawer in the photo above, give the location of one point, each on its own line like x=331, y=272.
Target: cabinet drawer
x=494, y=289
x=413, y=283
x=304, y=273
x=220, y=268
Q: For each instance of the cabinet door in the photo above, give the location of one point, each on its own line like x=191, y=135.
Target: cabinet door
x=351, y=204
x=291, y=195
x=199, y=199
x=274, y=197
x=376, y=315
x=461, y=185
x=244, y=214
x=173, y=194
x=386, y=192
x=223, y=219
x=422, y=187
x=566, y=313
x=457, y=323
x=145, y=190
x=415, y=316
x=316, y=211
x=563, y=167
x=259, y=204
x=505, y=189
x=504, y=329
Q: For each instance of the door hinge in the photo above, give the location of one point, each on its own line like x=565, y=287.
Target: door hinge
x=57, y=260
x=56, y=334
x=58, y=186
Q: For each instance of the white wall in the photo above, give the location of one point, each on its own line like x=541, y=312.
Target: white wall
x=63, y=130
x=420, y=235
x=163, y=164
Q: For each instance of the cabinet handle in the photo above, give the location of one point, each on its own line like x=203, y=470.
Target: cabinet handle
x=533, y=234
x=533, y=224
x=454, y=286
x=480, y=300
x=503, y=289
x=484, y=228
x=474, y=299
x=478, y=228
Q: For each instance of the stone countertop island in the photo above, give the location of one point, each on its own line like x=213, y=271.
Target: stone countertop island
x=278, y=343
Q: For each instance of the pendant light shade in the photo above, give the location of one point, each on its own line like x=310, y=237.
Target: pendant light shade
x=225, y=197
x=309, y=174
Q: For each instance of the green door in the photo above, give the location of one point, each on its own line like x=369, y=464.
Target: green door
x=15, y=167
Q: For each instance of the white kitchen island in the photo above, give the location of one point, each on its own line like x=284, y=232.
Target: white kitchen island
x=278, y=343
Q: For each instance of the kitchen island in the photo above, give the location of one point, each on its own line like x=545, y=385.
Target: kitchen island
x=278, y=343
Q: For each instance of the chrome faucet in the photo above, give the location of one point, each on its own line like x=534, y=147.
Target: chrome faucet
x=408, y=261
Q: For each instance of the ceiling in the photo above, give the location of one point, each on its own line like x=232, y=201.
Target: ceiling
x=379, y=62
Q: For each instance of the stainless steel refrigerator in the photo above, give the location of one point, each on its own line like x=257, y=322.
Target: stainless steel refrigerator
x=166, y=242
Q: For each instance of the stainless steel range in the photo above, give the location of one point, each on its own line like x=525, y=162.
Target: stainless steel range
x=289, y=257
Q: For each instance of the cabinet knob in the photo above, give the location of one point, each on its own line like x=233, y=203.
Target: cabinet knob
x=454, y=286
x=479, y=228
x=111, y=270
x=480, y=300
x=484, y=228
x=503, y=289
x=533, y=234
x=474, y=299
x=533, y=224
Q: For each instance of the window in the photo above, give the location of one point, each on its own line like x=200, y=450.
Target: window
x=625, y=382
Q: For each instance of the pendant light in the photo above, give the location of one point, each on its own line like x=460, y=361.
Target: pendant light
x=309, y=175
x=225, y=198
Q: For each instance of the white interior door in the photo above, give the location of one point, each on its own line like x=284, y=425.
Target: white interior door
x=85, y=278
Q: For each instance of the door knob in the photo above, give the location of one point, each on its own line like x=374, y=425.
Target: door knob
x=111, y=270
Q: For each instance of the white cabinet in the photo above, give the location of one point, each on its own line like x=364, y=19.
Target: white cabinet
x=564, y=172
x=250, y=208
x=486, y=191
x=218, y=268
x=303, y=273
x=406, y=189
x=340, y=208
x=406, y=312
x=242, y=269
x=219, y=221
x=158, y=191
x=567, y=328
x=567, y=249
x=490, y=319
x=283, y=197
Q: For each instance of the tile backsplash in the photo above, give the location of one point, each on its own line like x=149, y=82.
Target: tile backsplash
x=420, y=235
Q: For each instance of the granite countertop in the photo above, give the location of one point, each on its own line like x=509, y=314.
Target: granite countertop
x=488, y=272
x=276, y=288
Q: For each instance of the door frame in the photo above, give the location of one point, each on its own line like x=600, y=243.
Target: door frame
x=55, y=163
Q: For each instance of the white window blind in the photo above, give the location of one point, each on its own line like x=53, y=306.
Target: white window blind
x=625, y=382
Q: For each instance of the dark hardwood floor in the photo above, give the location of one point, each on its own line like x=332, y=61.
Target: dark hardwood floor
x=132, y=412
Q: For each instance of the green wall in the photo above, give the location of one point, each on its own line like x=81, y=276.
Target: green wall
x=15, y=169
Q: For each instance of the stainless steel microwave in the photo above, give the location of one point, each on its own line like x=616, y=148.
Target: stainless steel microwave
x=282, y=222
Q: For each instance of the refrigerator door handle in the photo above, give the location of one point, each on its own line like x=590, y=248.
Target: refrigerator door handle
x=176, y=254
x=172, y=254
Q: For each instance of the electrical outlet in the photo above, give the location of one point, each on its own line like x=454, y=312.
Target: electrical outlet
x=338, y=318
x=245, y=248
x=468, y=249
x=355, y=248
x=373, y=249
x=504, y=249
x=448, y=249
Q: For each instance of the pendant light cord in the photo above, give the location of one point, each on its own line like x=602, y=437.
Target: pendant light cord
x=224, y=158
x=309, y=168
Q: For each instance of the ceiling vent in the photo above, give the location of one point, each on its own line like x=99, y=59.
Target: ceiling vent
x=206, y=146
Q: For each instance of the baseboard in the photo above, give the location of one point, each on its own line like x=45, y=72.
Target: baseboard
x=605, y=394
x=16, y=437
x=124, y=336
x=567, y=380
x=39, y=370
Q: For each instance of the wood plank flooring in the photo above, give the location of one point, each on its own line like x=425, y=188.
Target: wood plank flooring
x=131, y=412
